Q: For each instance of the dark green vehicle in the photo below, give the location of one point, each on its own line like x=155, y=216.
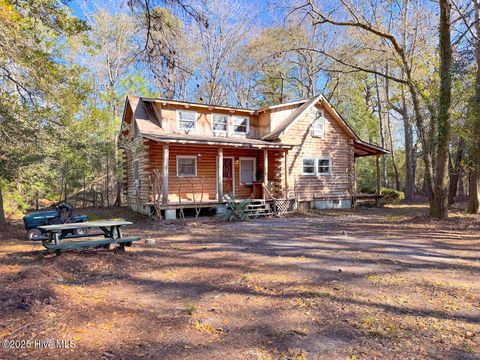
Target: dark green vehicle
x=61, y=214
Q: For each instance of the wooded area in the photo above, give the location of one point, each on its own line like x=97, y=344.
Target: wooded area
x=404, y=74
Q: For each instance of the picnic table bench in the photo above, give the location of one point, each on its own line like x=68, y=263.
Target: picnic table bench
x=111, y=230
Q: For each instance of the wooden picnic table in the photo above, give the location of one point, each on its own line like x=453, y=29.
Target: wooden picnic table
x=111, y=230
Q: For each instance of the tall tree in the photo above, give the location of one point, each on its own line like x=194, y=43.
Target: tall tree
x=383, y=42
x=230, y=25
x=32, y=80
x=440, y=205
x=474, y=187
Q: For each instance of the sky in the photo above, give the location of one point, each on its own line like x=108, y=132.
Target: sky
x=80, y=7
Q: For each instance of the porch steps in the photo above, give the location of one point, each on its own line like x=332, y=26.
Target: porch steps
x=259, y=207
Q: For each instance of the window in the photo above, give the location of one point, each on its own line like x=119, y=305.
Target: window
x=318, y=124
x=308, y=166
x=186, y=166
x=323, y=166
x=241, y=124
x=186, y=120
x=220, y=122
x=319, y=166
x=136, y=173
x=247, y=170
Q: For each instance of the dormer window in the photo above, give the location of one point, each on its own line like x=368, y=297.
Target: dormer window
x=220, y=123
x=241, y=125
x=186, y=120
x=318, y=124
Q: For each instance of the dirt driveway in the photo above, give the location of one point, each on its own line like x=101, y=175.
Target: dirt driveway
x=357, y=284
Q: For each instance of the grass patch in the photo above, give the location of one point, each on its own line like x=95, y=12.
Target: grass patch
x=205, y=327
x=190, y=308
x=294, y=354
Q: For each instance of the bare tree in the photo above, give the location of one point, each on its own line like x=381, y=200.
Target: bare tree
x=197, y=206
x=217, y=45
x=181, y=213
x=474, y=187
x=386, y=43
x=156, y=181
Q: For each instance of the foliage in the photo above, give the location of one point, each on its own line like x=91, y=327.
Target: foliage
x=63, y=81
x=236, y=210
x=392, y=196
x=365, y=174
x=13, y=200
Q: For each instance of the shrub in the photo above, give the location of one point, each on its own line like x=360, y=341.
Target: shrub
x=236, y=210
x=13, y=202
x=392, y=196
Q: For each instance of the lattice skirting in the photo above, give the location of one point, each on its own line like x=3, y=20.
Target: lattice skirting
x=284, y=205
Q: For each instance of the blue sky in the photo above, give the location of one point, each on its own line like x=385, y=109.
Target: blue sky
x=78, y=7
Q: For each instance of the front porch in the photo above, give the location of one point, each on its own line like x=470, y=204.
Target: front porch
x=203, y=176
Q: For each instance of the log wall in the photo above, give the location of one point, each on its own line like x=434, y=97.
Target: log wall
x=167, y=114
x=206, y=169
x=335, y=144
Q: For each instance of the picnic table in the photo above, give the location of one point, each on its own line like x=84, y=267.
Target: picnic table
x=111, y=230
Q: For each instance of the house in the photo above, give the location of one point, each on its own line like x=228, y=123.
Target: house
x=302, y=153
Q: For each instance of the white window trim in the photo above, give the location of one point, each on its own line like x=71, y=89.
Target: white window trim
x=220, y=131
x=240, y=169
x=178, y=119
x=314, y=166
x=248, y=124
x=186, y=157
x=312, y=129
x=316, y=160
x=330, y=165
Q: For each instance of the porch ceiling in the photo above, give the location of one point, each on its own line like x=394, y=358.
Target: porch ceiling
x=214, y=140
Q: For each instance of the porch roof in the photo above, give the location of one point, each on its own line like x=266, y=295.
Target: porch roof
x=216, y=140
x=362, y=148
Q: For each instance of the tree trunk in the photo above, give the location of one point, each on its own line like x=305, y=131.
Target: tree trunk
x=390, y=135
x=474, y=179
x=3, y=220
x=382, y=132
x=118, y=172
x=440, y=191
x=455, y=172
x=409, y=158
x=461, y=184
x=107, y=181
x=65, y=198
x=84, y=192
x=392, y=155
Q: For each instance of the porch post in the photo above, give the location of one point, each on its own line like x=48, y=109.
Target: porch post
x=265, y=172
x=286, y=174
x=379, y=184
x=165, y=174
x=354, y=175
x=220, y=175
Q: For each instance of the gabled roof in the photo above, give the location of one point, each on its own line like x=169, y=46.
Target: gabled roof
x=188, y=103
x=291, y=103
x=290, y=119
x=361, y=148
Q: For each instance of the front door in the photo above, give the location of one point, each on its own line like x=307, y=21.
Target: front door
x=228, y=182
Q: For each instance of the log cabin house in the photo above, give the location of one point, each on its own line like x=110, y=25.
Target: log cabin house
x=300, y=153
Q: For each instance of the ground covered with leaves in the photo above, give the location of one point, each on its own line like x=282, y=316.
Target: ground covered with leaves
x=354, y=284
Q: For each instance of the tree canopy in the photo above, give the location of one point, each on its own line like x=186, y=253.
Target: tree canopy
x=405, y=75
